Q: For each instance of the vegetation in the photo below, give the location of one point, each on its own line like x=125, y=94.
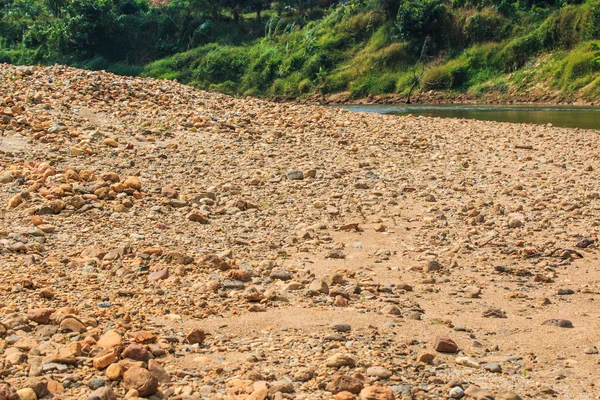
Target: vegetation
x=296, y=48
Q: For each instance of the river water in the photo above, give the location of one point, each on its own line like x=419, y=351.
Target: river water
x=563, y=116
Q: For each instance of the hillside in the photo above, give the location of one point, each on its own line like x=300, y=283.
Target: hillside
x=368, y=50
x=159, y=241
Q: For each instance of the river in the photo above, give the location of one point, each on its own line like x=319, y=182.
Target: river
x=563, y=116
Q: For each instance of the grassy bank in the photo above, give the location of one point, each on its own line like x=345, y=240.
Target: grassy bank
x=357, y=51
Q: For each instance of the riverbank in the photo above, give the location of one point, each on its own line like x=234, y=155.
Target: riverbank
x=162, y=240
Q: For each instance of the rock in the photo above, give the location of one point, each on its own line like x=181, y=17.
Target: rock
x=72, y=325
x=133, y=182
x=341, y=327
x=198, y=217
x=280, y=274
x=432, y=266
x=114, y=372
x=39, y=385
x=591, y=350
x=456, y=392
x=14, y=201
x=444, y=344
x=344, y=396
x=319, y=285
x=494, y=313
x=141, y=380
x=508, y=396
x=344, y=383
x=478, y=393
x=6, y=177
x=103, y=393
x=493, y=367
x=376, y=393
x=158, y=371
x=8, y=392
x=391, y=309
x=196, y=336
x=109, y=340
x=104, y=359
x=159, y=275
x=340, y=360
x=561, y=323
x=466, y=361
x=40, y=315
x=426, y=358
x=110, y=142
x=295, y=175
x=379, y=372
x=26, y=394
x=135, y=352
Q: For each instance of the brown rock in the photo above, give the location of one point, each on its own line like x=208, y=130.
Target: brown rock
x=478, y=393
x=109, y=340
x=344, y=383
x=72, y=325
x=159, y=275
x=141, y=380
x=135, y=352
x=104, y=359
x=158, y=371
x=133, y=182
x=39, y=385
x=104, y=393
x=426, y=358
x=196, y=336
x=444, y=344
x=114, y=372
x=376, y=393
x=40, y=315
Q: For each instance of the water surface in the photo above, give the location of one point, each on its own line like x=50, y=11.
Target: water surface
x=563, y=116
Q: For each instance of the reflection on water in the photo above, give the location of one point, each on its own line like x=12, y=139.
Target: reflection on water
x=565, y=116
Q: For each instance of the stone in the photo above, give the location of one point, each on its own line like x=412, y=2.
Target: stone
x=104, y=359
x=133, y=182
x=159, y=275
x=456, y=392
x=114, y=372
x=198, y=217
x=135, y=351
x=103, y=393
x=72, y=325
x=109, y=340
x=340, y=360
x=295, y=175
x=141, y=380
x=561, y=323
x=341, y=327
x=508, y=396
x=39, y=385
x=344, y=383
x=478, y=393
x=444, y=344
x=426, y=358
x=280, y=274
x=158, y=371
x=40, y=315
x=7, y=392
x=319, y=285
x=196, y=336
x=379, y=372
x=376, y=393
x=432, y=266
x=26, y=394
x=344, y=396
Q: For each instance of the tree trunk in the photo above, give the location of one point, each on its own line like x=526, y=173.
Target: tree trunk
x=258, y=10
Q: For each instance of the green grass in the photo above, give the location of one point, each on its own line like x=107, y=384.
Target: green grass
x=356, y=51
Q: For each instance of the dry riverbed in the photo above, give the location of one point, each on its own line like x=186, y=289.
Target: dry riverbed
x=157, y=241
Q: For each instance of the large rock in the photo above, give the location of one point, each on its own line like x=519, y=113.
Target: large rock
x=141, y=380
x=340, y=360
x=376, y=393
x=344, y=383
x=444, y=344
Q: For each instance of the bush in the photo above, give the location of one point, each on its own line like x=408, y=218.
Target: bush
x=421, y=18
x=485, y=26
